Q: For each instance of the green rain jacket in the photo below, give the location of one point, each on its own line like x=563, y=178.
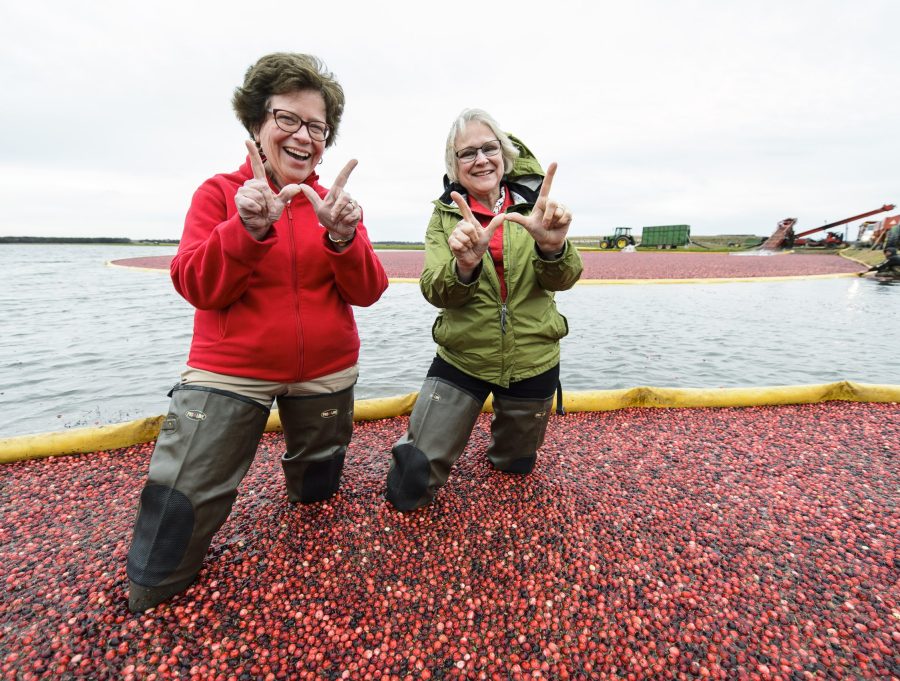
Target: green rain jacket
x=476, y=332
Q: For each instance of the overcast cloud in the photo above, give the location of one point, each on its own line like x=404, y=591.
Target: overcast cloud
x=727, y=116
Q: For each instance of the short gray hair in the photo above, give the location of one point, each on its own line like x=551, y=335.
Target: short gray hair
x=507, y=149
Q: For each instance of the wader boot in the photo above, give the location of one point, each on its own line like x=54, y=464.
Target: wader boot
x=317, y=430
x=517, y=431
x=439, y=428
x=205, y=446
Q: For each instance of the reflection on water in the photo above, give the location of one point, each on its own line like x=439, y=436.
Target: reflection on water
x=86, y=344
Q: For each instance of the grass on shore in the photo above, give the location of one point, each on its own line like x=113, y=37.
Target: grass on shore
x=864, y=255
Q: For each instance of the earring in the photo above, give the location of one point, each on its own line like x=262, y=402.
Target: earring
x=320, y=161
x=259, y=148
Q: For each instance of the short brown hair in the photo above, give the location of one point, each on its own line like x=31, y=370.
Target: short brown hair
x=280, y=73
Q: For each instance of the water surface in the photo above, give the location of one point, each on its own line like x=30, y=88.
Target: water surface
x=86, y=344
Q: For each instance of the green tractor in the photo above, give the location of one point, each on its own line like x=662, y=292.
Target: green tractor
x=620, y=239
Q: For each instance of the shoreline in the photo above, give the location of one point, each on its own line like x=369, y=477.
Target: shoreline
x=605, y=266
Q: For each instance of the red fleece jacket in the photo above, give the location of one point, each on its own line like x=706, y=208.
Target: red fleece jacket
x=277, y=309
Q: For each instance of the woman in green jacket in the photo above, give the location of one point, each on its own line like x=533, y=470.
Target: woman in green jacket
x=495, y=253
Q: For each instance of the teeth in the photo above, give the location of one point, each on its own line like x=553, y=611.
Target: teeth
x=297, y=154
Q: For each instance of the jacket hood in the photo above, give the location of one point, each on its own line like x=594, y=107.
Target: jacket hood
x=524, y=180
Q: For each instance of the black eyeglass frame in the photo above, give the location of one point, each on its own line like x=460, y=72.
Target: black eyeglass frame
x=474, y=150
x=316, y=136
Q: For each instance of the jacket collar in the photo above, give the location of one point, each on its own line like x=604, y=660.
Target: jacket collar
x=519, y=193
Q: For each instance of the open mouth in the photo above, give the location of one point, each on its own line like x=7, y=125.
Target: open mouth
x=298, y=155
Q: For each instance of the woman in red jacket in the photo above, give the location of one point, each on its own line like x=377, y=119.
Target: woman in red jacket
x=272, y=262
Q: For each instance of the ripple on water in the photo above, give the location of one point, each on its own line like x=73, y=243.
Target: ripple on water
x=86, y=344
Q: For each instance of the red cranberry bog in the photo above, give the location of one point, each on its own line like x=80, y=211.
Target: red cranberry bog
x=609, y=267
x=753, y=543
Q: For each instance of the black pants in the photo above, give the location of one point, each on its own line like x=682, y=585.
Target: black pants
x=538, y=387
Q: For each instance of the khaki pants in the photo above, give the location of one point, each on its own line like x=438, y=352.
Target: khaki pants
x=265, y=391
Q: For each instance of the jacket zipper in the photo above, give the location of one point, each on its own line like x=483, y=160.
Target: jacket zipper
x=296, y=288
x=504, y=310
x=507, y=266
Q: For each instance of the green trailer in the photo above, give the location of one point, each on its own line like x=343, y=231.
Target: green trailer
x=666, y=236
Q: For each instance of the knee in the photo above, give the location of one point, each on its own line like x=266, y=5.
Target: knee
x=311, y=481
x=162, y=534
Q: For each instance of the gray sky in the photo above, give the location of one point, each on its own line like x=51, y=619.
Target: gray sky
x=727, y=116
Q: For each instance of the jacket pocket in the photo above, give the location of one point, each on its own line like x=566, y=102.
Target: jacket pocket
x=545, y=325
x=439, y=331
x=555, y=327
x=560, y=326
x=457, y=332
x=223, y=321
x=564, y=330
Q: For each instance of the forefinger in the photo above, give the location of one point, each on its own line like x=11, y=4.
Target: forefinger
x=256, y=162
x=463, y=206
x=344, y=175
x=548, y=179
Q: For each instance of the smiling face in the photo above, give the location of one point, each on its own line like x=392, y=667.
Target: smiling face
x=480, y=177
x=292, y=156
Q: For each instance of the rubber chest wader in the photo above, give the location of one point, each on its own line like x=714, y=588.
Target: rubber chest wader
x=317, y=430
x=204, y=449
x=517, y=432
x=439, y=428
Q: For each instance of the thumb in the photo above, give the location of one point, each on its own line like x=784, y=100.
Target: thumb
x=492, y=226
x=308, y=192
x=518, y=218
x=289, y=191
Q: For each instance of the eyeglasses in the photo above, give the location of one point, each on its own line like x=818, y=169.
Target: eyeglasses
x=289, y=122
x=469, y=154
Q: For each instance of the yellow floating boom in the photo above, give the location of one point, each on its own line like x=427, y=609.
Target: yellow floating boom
x=84, y=440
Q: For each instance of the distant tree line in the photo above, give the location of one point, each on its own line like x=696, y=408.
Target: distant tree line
x=81, y=240
x=144, y=242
